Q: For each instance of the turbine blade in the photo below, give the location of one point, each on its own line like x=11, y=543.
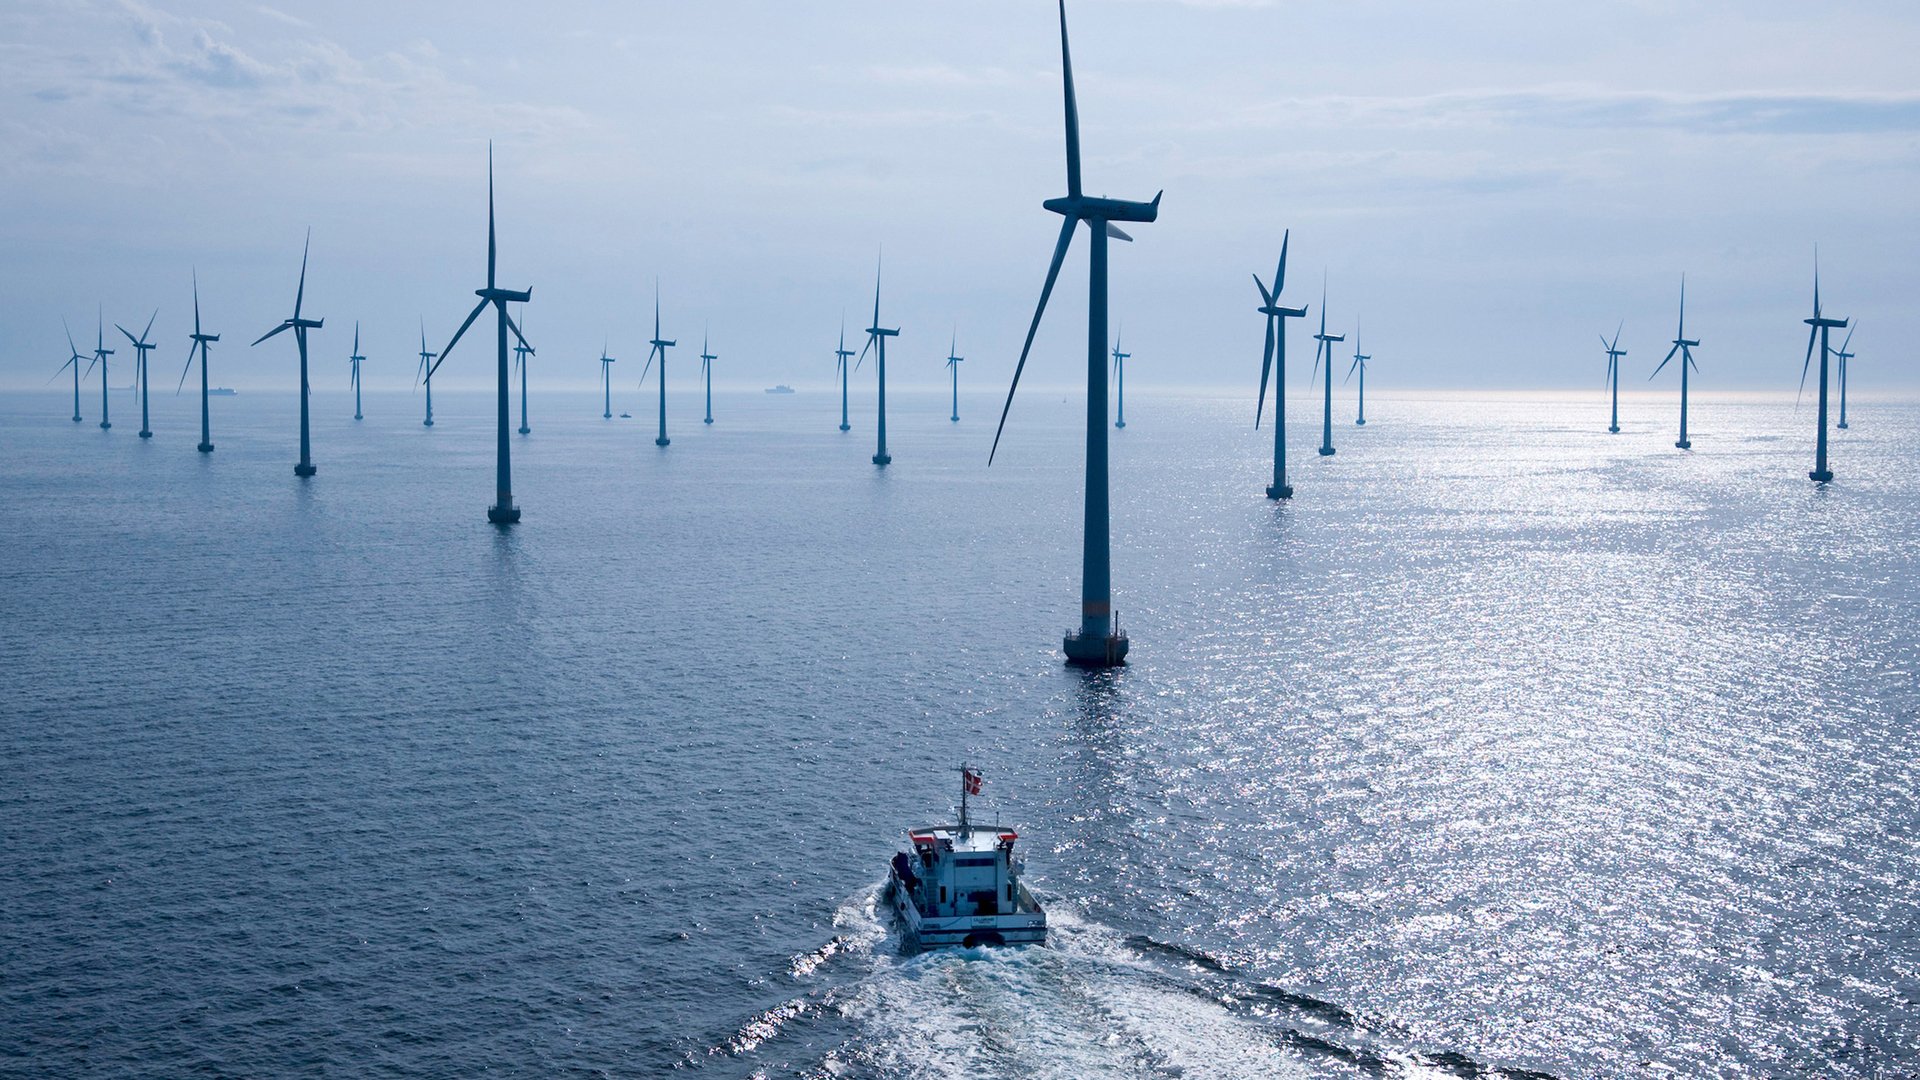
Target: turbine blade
x=649, y=365
x=1813, y=333
x=123, y=330
x=490, y=244
x=270, y=333
x=356, y=337
x=1350, y=370
x=196, y=301
x=1118, y=233
x=184, y=370
x=149, y=329
x=72, y=349
x=863, y=350
x=448, y=351
x=1280, y=273
x=1266, y=298
x=516, y=333
x=1053, y=274
x=1663, y=363
x=1073, y=120
x=1266, y=367
x=301, y=294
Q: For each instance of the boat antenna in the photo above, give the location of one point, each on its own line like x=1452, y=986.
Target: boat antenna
x=969, y=783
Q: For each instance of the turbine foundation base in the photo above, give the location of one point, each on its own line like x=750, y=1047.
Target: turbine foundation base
x=1119, y=423
x=708, y=420
x=1842, y=425
x=526, y=431
x=146, y=434
x=503, y=515
x=1359, y=423
x=1821, y=476
x=1326, y=451
x=1088, y=650
x=662, y=441
x=104, y=425
x=883, y=459
x=846, y=427
x=1279, y=491
x=1684, y=444
x=305, y=469
x=205, y=448
x=1614, y=429
x=426, y=423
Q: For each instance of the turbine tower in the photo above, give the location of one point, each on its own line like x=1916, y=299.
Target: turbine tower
x=1684, y=346
x=1840, y=354
x=100, y=354
x=355, y=361
x=1614, y=353
x=879, y=334
x=424, y=373
x=73, y=361
x=1119, y=384
x=141, y=347
x=1099, y=640
x=300, y=326
x=606, y=383
x=706, y=371
x=1277, y=317
x=522, y=350
x=843, y=353
x=199, y=346
x=1359, y=365
x=503, y=511
x=1326, y=342
x=659, y=349
x=953, y=366
x=1818, y=328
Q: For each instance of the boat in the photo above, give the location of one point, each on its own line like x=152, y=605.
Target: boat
x=961, y=884
x=221, y=391
x=626, y=416
x=783, y=388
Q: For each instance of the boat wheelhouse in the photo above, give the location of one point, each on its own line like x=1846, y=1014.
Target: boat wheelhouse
x=960, y=885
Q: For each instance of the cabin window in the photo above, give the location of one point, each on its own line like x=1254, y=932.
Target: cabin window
x=943, y=894
x=1009, y=892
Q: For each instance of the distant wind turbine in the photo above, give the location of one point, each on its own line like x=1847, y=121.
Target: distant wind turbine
x=953, y=367
x=73, y=361
x=355, y=360
x=1119, y=383
x=1099, y=641
x=522, y=350
x=658, y=347
x=843, y=354
x=706, y=371
x=1841, y=355
x=1277, y=317
x=1818, y=328
x=100, y=354
x=1614, y=353
x=300, y=326
x=424, y=373
x=878, y=335
x=606, y=383
x=199, y=346
x=1326, y=343
x=1684, y=346
x=141, y=348
x=503, y=511
x=1359, y=365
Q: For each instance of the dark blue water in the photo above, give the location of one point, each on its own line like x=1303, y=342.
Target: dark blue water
x=1509, y=745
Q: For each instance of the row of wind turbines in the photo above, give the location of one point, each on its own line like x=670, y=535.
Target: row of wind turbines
x=1098, y=640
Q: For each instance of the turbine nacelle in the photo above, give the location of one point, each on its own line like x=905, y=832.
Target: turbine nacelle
x=211, y=337
x=1091, y=208
x=1819, y=320
x=1273, y=311
x=508, y=295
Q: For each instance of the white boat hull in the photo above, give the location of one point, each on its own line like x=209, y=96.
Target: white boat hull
x=1028, y=927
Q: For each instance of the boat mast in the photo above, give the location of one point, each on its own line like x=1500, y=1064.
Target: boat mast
x=966, y=776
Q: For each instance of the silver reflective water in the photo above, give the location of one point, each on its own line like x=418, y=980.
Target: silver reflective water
x=1507, y=744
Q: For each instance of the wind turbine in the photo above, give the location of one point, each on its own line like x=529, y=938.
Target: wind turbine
x=877, y=334
x=424, y=373
x=100, y=354
x=503, y=511
x=522, y=350
x=1614, y=353
x=1684, y=346
x=73, y=361
x=659, y=348
x=606, y=383
x=1841, y=355
x=141, y=347
x=706, y=370
x=1360, y=365
x=199, y=345
x=953, y=365
x=1119, y=384
x=843, y=353
x=1099, y=641
x=1819, y=327
x=1277, y=317
x=355, y=361
x=1326, y=342
x=300, y=326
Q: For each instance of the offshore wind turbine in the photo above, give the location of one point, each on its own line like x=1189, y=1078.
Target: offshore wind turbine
x=1684, y=346
x=659, y=347
x=100, y=354
x=843, y=353
x=200, y=341
x=424, y=373
x=1326, y=343
x=300, y=326
x=953, y=366
x=522, y=350
x=503, y=511
x=1360, y=365
x=1277, y=317
x=355, y=361
x=1819, y=327
x=1840, y=354
x=1614, y=353
x=879, y=334
x=141, y=347
x=1099, y=641
x=73, y=361
x=1119, y=384
x=706, y=370
x=606, y=383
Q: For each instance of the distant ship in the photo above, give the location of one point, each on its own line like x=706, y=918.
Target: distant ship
x=221, y=391
x=961, y=886
x=626, y=416
x=783, y=388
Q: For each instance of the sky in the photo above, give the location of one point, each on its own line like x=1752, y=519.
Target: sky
x=1484, y=187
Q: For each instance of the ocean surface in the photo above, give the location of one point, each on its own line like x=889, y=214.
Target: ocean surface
x=1508, y=748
